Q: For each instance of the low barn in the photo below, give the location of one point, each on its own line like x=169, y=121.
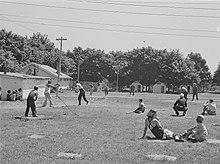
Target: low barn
x=138, y=87
x=14, y=81
x=47, y=71
x=159, y=88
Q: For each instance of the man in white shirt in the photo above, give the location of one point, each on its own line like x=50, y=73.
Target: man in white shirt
x=209, y=108
x=47, y=95
x=81, y=93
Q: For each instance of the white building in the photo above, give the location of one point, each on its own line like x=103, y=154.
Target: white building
x=138, y=87
x=14, y=81
x=159, y=88
x=46, y=71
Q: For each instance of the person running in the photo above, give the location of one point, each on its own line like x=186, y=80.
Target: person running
x=81, y=93
x=152, y=122
x=180, y=105
x=209, y=108
x=32, y=97
x=141, y=107
x=195, y=92
x=197, y=133
x=47, y=95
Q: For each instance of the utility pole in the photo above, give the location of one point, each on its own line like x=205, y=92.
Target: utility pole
x=59, y=62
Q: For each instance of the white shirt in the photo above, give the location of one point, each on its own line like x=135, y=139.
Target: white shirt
x=47, y=89
x=79, y=86
x=211, y=106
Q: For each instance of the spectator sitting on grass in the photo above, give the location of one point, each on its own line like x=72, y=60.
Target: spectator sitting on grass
x=152, y=122
x=197, y=133
x=19, y=95
x=141, y=107
x=13, y=95
x=8, y=97
x=209, y=108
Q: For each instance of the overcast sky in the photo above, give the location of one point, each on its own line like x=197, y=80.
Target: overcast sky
x=187, y=26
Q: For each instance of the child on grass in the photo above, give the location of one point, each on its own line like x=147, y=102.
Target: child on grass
x=141, y=107
x=209, y=108
x=197, y=133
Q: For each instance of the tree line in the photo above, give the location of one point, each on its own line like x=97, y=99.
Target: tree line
x=146, y=65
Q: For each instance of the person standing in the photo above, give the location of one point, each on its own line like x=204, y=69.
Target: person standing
x=195, y=91
x=81, y=93
x=185, y=92
x=32, y=97
x=47, y=95
x=91, y=89
x=132, y=90
x=0, y=93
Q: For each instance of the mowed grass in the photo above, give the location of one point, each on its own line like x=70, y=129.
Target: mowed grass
x=104, y=133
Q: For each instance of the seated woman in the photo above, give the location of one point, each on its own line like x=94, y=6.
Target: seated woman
x=209, y=108
x=152, y=122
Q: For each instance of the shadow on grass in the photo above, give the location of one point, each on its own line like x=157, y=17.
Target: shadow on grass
x=174, y=115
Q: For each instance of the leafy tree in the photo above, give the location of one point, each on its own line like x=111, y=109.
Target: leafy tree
x=216, y=77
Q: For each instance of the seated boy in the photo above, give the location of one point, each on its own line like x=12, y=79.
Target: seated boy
x=19, y=95
x=209, y=108
x=197, y=133
x=141, y=107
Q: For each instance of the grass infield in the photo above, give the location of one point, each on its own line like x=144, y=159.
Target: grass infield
x=103, y=132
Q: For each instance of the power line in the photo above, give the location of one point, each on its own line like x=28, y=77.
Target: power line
x=115, y=11
x=143, y=5
x=166, y=2
x=112, y=30
x=108, y=24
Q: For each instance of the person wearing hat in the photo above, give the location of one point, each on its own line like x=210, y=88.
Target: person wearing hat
x=152, y=122
x=185, y=92
x=195, y=91
x=180, y=105
x=197, y=133
x=32, y=97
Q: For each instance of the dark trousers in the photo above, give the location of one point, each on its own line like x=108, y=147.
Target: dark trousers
x=31, y=104
x=180, y=108
x=82, y=94
x=195, y=94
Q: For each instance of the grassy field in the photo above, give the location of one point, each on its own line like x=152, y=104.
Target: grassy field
x=103, y=132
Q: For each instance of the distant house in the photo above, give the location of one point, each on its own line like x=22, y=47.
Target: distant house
x=47, y=71
x=138, y=87
x=14, y=81
x=159, y=88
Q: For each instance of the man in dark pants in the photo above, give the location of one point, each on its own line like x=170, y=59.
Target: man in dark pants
x=195, y=91
x=180, y=105
x=81, y=93
x=32, y=97
x=132, y=90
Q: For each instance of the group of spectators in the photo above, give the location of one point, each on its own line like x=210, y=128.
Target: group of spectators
x=14, y=95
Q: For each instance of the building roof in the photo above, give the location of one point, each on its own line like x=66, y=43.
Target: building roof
x=48, y=69
x=21, y=75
